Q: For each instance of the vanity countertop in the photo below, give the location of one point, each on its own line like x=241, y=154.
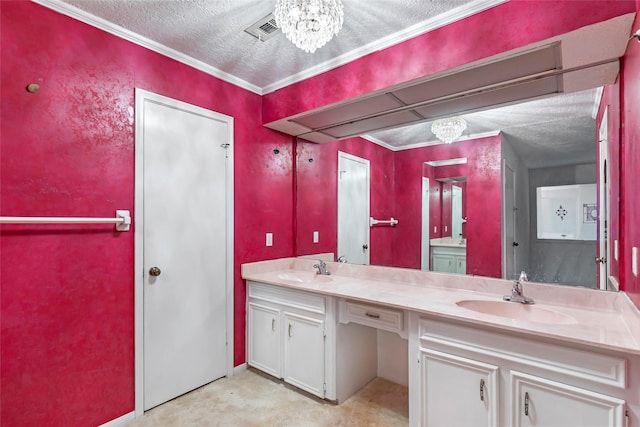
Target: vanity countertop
x=449, y=242
x=606, y=320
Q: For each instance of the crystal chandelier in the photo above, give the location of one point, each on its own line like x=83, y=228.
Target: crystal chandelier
x=309, y=24
x=450, y=129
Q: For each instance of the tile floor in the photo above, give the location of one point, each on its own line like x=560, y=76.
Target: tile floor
x=253, y=399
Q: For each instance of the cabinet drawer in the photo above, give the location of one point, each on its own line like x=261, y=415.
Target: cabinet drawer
x=548, y=359
x=287, y=297
x=371, y=315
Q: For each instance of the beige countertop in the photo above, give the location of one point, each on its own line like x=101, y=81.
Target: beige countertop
x=449, y=242
x=606, y=320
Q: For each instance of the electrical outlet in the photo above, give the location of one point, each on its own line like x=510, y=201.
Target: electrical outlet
x=615, y=249
x=269, y=239
x=316, y=237
x=634, y=261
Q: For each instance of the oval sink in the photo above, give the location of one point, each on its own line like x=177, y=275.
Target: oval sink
x=304, y=277
x=513, y=310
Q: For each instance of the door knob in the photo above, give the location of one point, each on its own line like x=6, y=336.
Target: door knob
x=601, y=260
x=516, y=244
x=154, y=271
x=365, y=247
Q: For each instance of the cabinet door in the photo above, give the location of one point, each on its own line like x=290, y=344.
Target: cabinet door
x=304, y=353
x=264, y=340
x=543, y=403
x=457, y=391
x=461, y=265
x=443, y=263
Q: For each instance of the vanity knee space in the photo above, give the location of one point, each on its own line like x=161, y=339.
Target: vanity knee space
x=463, y=375
x=301, y=338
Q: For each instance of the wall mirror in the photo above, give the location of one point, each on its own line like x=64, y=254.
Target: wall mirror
x=516, y=141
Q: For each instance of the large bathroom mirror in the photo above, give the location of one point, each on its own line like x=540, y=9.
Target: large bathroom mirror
x=515, y=142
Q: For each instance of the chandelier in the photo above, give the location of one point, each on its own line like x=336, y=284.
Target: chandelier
x=309, y=24
x=450, y=129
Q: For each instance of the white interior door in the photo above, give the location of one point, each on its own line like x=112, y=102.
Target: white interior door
x=510, y=242
x=456, y=212
x=425, y=225
x=353, y=208
x=185, y=241
x=603, y=206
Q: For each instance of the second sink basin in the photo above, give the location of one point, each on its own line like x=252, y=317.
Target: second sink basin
x=304, y=277
x=513, y=310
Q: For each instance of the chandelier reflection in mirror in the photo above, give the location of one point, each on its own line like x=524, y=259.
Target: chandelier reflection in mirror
x=449, y=129
x=309, y=24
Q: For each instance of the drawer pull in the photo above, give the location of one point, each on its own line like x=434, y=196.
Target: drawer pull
x=482, y=390
x=290, y=330
x=372, y=315
x=526, y=403
x=273, y=324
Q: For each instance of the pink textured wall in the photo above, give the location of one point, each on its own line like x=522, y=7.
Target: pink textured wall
x=483, y=229
x=67, y=292
x=511, y=25
x=630, y=152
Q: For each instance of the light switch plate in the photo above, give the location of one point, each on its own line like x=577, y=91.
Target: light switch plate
x=634, y=261
x=615, y=249
x=269, y=239
x=316, y=237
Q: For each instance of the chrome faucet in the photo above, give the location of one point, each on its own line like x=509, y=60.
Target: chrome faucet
x=322, y=268
x=517, y=291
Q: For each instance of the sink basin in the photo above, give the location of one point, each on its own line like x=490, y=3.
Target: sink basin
x=517, y=311
x=304, y=277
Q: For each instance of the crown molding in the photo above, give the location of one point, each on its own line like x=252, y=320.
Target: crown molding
x=441, y=20
x=123, y=33
x=420, y=28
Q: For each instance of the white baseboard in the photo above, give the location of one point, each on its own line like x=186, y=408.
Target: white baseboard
x=239, y=369
x=120, y=421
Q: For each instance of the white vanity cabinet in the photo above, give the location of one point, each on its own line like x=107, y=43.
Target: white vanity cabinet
x=536, y=401
x=457, y=391
x=304, y=357
x=448, y=259
x=287, y=335
x=465, y=376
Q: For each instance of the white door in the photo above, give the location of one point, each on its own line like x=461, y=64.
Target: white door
x=425, y=225
x=603, y=206
x=353, y=208
x=510, y=242
x=456, y=212
x=304, y=353
x=457, y=391
x=264, y=339
x=184, y=253
x=544, y=403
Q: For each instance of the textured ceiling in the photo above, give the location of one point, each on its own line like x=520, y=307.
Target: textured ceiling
x=211, y=32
